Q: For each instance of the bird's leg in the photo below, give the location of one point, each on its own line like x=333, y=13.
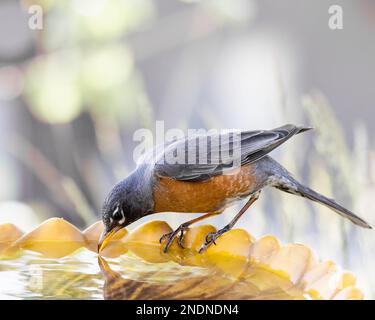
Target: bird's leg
x=179, y=232
x=212, y=236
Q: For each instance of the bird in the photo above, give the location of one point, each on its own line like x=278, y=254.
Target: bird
x=208, y=185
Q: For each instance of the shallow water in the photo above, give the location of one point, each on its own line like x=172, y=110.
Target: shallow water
x=85, y=276
x=81, y=276
x=238, y=267
x=33, y=277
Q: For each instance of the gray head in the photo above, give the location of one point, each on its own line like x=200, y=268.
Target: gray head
x=113, y=207
x=127, y=202
x=113, y=213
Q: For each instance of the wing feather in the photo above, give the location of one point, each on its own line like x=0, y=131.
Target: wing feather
x=217, y=152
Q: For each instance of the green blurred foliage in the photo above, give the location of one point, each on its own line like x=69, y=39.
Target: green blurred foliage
x=86, y=65
x=52, y=88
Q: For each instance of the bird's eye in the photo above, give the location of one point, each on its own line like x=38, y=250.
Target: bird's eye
x=118, y=215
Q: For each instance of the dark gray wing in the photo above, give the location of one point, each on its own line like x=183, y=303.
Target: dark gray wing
x=202, y=157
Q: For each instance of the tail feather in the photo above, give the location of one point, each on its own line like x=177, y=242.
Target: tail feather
x=304, y=129
x=292, y=186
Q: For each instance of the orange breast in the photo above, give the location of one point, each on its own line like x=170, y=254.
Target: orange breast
x=201, y=197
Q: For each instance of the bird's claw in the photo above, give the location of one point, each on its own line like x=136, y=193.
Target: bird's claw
x=164, y=236
x=178, y=233
x=211, y=239
x=180, y=238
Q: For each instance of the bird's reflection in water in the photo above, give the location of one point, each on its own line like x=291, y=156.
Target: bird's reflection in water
x=185, y=284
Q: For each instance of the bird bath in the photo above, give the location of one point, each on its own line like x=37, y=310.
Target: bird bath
x=58, y=261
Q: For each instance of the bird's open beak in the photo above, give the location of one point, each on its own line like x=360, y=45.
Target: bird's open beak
x=105, y=237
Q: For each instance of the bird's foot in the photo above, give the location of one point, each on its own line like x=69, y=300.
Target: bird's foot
x=211, y=238
x=178, y=233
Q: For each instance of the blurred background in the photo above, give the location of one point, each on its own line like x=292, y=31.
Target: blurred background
x=73, y=93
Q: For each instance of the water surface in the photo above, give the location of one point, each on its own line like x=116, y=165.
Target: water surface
x=85, y=276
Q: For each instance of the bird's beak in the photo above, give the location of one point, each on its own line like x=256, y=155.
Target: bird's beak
x=105, y=237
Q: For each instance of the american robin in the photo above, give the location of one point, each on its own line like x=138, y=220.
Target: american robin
x=206, y=187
